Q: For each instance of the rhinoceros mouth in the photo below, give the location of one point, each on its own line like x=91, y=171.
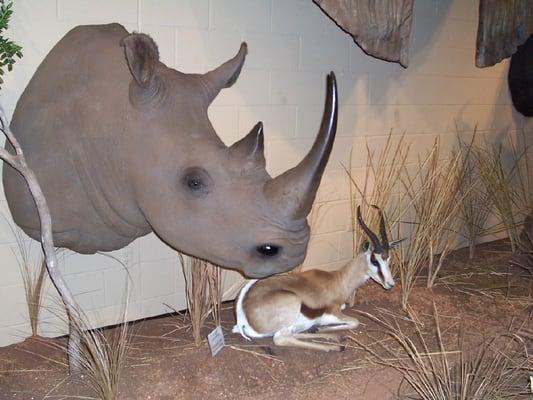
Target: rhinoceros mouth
x=267, y=269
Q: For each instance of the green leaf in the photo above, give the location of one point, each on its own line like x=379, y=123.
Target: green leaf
x=8, y=49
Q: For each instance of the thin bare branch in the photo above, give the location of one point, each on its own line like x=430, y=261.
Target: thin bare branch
x=18, y=161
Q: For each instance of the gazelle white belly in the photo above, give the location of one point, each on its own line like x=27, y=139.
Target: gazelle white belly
x=243, y=326
x=301, y=324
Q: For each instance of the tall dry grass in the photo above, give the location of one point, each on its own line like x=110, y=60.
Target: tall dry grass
x=498, y=184
x=441, y=198
x=475, y=206
x=102, y=352
x=506, y=175
x=203, y=292
x=499, y=368
x=422, y=200
x=461, y=190
x=434, y=193
x=410, y=261
x=379, y=187
x=103, y=357
x=33, y=277
x=523, y=176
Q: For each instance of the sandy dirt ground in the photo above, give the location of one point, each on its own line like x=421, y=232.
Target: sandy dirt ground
x=474, y=299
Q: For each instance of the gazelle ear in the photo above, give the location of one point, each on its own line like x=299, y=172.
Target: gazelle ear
x=365, y=246
x=395, y=243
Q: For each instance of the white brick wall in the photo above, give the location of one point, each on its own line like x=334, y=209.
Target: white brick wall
x=291, y=47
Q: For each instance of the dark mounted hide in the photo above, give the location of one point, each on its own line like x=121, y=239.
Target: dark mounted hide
x=521, y=78
x=503, y=26
x=381, y=28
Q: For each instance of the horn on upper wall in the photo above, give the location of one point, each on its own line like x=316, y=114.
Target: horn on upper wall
x=382, y=31
x=503, y=26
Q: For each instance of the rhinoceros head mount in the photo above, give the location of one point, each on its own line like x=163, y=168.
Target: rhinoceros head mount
x=169, y=171
x=218, y=202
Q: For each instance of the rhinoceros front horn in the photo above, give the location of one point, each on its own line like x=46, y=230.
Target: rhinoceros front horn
x=295, y=189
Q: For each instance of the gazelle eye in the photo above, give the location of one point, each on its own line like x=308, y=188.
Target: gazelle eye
x=374, y=261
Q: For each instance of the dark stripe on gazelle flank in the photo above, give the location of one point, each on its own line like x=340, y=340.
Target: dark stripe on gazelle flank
x=312, y=313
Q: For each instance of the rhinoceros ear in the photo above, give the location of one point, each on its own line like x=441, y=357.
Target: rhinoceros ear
x=142, y=56
x=250, y=149
x=226, y=74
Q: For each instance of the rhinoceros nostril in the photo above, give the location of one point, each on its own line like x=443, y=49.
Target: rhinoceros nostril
x=268, y=250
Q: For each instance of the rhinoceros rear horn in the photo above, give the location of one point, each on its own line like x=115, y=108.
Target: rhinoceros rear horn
x=226, y=74
x=296, y=188
x=250, y=149
x=142, y=56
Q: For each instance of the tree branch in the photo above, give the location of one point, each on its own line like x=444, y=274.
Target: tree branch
x=18, y=162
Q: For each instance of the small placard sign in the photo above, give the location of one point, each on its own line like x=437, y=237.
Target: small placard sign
x=216, y=341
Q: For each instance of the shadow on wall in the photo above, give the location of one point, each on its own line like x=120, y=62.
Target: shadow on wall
x=392, y=84
x=372, y=91
x=451, y=93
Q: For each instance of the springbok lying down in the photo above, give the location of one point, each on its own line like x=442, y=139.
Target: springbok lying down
x=286, y=306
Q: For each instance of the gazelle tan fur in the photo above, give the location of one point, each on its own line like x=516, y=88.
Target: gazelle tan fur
x=286, y=306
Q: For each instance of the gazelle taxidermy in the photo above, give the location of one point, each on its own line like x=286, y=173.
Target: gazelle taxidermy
x=286, y=306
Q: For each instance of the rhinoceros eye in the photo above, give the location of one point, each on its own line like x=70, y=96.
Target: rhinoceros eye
x=268, y=250
x=197, y=181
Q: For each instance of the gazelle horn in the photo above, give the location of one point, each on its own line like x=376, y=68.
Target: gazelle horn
x=371, y=235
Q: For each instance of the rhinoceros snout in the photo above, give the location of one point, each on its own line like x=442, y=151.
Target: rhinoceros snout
x=267, y=269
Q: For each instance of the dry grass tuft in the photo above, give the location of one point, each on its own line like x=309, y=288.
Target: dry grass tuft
x=435, y=202
x=438, y=199
x=425, y=201
x=498, y=184
x=102, y=352
x=203, y=290
x=103, y=357
x=380, y=187
x=508, y=182
x=498, y=369
x=410, y=261
x=475, y=206
x=523, y=177
x=433, y=194
x=32, y=278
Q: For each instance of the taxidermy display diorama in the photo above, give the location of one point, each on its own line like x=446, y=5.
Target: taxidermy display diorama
x=108, y=144
x=122, y=146
x=287, y=306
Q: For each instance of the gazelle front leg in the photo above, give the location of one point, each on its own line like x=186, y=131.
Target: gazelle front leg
x=335, y=322
x=316, y=335
x=288, y=339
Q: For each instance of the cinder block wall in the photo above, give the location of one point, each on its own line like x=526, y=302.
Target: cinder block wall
x=292, y=46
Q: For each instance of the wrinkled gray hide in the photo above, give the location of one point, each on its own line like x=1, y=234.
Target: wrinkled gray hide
x=380, y=27
x=122, y=146
x=503, y=26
